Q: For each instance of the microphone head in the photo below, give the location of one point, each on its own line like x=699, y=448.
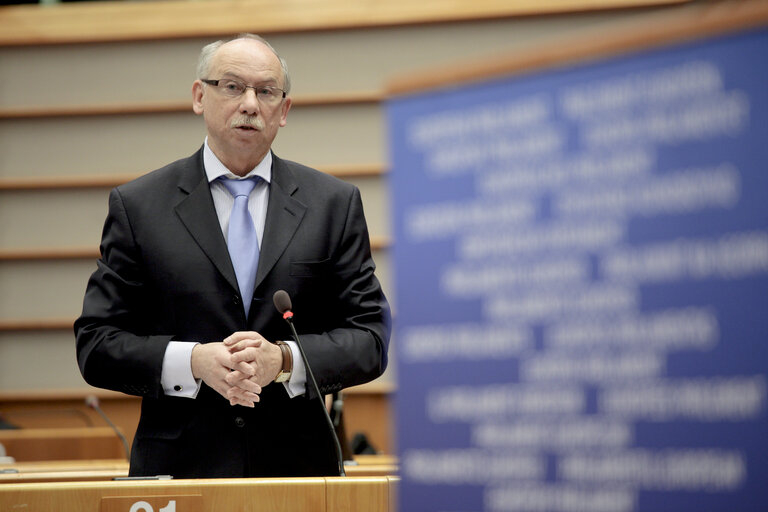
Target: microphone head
x=282, y=301
x=92, y=401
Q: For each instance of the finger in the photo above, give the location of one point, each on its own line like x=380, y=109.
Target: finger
x=239, y=336
x=245, y=355
x=244, y=368
x=237, y=396
x=244, y=403
x=240, y=394
x=245, y=344
x=249, y=386
x=243, y=398
x=234, y=377
x=223, y=390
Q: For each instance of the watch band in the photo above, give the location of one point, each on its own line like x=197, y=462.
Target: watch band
x=285, y=372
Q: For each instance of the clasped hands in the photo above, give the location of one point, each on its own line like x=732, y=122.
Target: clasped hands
x=237, y=367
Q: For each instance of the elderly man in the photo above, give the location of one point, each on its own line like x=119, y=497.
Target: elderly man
x=179, y=310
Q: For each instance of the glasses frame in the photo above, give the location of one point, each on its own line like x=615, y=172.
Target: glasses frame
x=215, y=83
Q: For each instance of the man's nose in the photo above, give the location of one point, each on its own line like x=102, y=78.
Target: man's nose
x=249, y=102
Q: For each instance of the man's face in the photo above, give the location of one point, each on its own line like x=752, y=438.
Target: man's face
x=238, y=143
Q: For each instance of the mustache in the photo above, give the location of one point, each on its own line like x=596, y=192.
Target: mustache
x=246, y=120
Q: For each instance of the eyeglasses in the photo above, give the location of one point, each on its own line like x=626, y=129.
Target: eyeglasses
x=266, y=94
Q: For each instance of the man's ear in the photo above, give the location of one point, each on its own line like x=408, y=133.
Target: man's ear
x=197, y=97
x=286, y=106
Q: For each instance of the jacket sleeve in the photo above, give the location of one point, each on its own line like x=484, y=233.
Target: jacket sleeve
x=115, y=349
x=354, y=350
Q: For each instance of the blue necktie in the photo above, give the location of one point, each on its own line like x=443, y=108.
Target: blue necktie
x=241, y=238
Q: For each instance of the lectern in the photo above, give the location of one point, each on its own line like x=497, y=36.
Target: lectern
x=338, y=494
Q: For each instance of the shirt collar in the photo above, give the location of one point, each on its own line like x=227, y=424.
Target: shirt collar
x=215, y=169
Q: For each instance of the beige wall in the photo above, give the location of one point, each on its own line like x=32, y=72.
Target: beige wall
x=338, y=62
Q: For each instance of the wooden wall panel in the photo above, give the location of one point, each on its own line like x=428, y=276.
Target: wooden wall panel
x=55, y=288
x=97, y=145
x=62, y=443
x=52, y=219
x=121, y=21
x=316, y=136
x=40, y=359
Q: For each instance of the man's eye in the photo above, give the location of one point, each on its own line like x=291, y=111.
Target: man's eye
x=232, y=86
x=266, y=91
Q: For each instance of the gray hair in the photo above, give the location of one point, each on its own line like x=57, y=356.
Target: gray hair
x=209, y=50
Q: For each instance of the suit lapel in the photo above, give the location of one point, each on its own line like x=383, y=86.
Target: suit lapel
x=198, y=215
x=284, y=214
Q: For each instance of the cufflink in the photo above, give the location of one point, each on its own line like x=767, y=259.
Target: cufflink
x=177, y=388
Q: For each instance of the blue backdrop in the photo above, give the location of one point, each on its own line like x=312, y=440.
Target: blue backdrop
x=581, y=278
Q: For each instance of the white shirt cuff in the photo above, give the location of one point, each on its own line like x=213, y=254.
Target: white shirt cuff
x=296, y=385
x=176, y=377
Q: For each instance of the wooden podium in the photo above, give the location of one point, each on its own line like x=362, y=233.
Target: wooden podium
x=338, y=494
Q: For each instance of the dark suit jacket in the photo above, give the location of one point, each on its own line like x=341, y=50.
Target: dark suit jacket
x=165, y=274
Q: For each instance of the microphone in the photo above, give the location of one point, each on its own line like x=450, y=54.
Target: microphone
x=283, y=305
x=92, y=402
